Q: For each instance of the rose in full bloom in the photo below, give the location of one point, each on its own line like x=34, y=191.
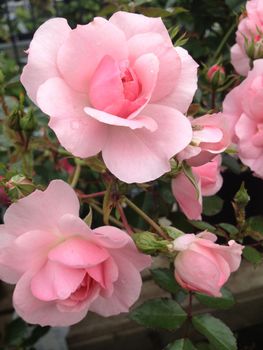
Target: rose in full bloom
x=208, y=182
x=211, y=136
x=244, y=105
x=60, y=266
x=114, y=86
x=249, y=38
x=204, y=266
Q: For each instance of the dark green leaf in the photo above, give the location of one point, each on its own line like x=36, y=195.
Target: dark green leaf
x=202, y=225
x=224, y=302
x=218, y=334
x=231, y=229
x=37, y=333
x=212, y=205
x=159, y=313
x=181, y=344
x=231, y=163
x=15, y=332
x=165, y=279
x=252, y=255
x=255, y=223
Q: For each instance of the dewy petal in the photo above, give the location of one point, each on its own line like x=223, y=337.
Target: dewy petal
x=239, y=60
x=56, y=281
x=82, y=136
x=42, y=59
x=35, y=311
x=132, y=24
x=85, y=47
x=186, y=84
x=42, y=209
x=144, y=154
x=136, y=123
x=169, y=60
x=78, y=253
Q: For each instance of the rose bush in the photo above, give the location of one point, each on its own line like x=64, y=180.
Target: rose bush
x=60, y=266
x=117, y=86
x=202, y=265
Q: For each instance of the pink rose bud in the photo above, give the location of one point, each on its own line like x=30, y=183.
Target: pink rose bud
x=216, y=75
x=60, y=266
x=204, y=266
x=115, y=86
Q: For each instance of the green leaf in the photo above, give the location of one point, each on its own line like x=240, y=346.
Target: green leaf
x=159, y=313
x=218, y=334
x=181, y=344
x=255, y=223
x=37, y=333
x=235, y=5
x=172, y=232
x=165, y=279
x=252, y=255
x=231, y=163
x=231, y=229
x=212, y=205
x=224, y=302
x=15, y=332
x=202, y=225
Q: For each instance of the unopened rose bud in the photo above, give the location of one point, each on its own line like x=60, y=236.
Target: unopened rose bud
x=28, y=122
x=254, y=47
x=13, y=121
x=242, y=198
x=216, y=75
x=150, y=243
x=19, y=186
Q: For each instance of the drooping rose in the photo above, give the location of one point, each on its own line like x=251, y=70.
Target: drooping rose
x=204, y=266
x=60, y=266
x=116, y=86
x=210, y=136
x=249, y=38
x=208, y=182
x=244, y=105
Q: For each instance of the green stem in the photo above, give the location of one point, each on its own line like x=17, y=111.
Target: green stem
x=145, y=217
x=100, y=211
x=76, y=175
x=224, y=41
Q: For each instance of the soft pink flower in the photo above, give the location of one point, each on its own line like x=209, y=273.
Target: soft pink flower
x=60, y=266
x=244, y=105
x=249, y=34
x=208, y=182
x=210, y=136
x=116, y=86
x=204, y=266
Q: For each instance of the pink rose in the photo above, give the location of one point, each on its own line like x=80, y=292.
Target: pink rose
x=116, y=86
x=208, y=182
x=210, y=136
x=60, y=266
x=245, y=105
x=249, y=40
x=204, y=266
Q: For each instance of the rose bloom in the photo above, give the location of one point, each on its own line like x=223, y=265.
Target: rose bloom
x=117, y=86
x=244, y=105
x=204, y=266
x=210, y=136
x=250, y=29
x=60, y=266
x=208, y=182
